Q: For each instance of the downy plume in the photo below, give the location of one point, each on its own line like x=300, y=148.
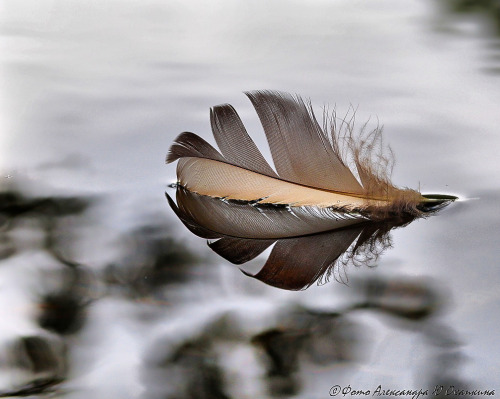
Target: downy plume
x=330, y=187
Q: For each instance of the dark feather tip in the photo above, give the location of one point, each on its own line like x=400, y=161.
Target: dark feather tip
x=434, y=202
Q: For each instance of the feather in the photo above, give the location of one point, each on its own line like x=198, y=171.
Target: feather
x=313, y=180
x=311, y=200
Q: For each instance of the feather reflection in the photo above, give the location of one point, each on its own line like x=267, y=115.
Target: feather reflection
x=295, y=263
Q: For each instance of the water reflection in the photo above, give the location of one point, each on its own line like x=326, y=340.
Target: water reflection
x=34, y=230
x=484, y=18
x=299, y=341
x=152, y=262
x=203, y=361
x=490, y=9
x=112, y=83
x=39, y=359
x=306, y=336
x=295, y=263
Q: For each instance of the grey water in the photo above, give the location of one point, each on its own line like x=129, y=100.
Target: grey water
x=104, y=293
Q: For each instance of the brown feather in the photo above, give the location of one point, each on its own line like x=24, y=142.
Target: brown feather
x=314, y=206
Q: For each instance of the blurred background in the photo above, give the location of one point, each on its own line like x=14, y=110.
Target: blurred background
x=105, y=294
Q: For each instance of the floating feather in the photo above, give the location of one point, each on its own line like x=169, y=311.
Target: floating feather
x=236, y=196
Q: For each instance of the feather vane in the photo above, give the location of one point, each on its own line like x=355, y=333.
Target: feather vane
x=312, y=200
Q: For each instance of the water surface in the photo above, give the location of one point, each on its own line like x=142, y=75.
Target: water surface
x=93, y=93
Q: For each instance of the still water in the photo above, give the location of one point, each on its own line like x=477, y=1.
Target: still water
x=104, y=291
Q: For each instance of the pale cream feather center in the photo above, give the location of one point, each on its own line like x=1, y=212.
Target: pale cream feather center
x=219, y=179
